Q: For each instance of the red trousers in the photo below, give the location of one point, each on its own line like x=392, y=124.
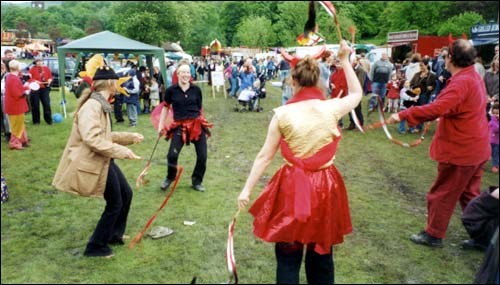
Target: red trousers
x=454, y=183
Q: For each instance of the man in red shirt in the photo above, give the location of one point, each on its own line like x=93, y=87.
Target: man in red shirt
x=42, y=75
x=460, y=145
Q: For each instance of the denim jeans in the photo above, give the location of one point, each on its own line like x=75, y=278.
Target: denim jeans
x=132, y=113
x=402, y=126
x=284, y=74
x=234, y=86
x=494, y=155
x=379, y=89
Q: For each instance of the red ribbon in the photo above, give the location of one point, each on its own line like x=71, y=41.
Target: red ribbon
x=139, y=235
x=383, y=124
x=230, y=260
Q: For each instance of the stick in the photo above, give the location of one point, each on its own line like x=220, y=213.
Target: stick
x=140, y=179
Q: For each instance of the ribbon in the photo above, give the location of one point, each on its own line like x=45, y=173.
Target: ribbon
x=383, y=124
x=230, y=260
x=139, y=235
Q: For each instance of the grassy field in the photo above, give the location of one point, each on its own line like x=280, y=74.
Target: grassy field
x=44, y=231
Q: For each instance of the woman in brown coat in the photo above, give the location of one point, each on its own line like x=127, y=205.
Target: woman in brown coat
x=87, y=165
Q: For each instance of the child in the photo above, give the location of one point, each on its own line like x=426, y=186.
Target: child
x=407, y=101
x=494, y=137
x=393, y=93
x=154, y=93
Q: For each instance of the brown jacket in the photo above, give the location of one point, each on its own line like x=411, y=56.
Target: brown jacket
x=84, y=165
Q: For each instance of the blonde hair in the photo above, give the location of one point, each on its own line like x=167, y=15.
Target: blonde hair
x=14, y=65
x=306, y=73
x=181, y=63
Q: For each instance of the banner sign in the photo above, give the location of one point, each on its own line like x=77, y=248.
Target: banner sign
x=404, y=36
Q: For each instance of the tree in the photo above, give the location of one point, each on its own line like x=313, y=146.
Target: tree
x=457, y=25
x=255, y=32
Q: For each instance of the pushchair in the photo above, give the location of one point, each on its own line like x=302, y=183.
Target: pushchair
x=249, y=99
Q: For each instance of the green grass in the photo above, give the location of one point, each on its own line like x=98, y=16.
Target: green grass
x=44, y=231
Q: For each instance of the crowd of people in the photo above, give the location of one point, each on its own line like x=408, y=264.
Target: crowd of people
x=305, y=205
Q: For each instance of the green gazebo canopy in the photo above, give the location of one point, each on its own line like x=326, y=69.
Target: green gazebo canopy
x=108, y=42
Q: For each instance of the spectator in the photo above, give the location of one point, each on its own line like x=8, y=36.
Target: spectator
x=381, y=73
x=15, y=106
x=87, y=166
x=494, y=137
x=8, y=56
x=154, y=93
x=284, y=67
x=441, y=73
x=270, y=68
x=306, y=202
x=324, y=69
x=361, y=74
x=287, y=90
x=407, y=101
x=413, y=67
x=491, y=82
x=41, y=74
x=426, y=82
x=479, y=66
x=460, y=145
x=393, y=95
x=5, y=118
x=132, y=86
x=480, y=219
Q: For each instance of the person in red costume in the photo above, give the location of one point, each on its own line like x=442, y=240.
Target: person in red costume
x=460, y=145
x=16, y=106
x=305, y=203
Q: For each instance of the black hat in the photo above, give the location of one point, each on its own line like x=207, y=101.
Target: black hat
x=104, y=72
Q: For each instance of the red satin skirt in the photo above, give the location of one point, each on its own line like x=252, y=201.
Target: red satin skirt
x=273, y=211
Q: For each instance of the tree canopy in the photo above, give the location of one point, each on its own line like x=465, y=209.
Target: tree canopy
x=243, y=23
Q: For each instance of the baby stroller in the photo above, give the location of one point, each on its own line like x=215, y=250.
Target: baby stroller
x=249, y=99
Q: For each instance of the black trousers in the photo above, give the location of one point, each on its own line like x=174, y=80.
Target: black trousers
x=118, y=108
x=201, y=156
x=111, y=226
x=319, y=268
x=41, y=95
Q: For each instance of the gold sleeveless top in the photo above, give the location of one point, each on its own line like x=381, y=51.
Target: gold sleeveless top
x=309, y=125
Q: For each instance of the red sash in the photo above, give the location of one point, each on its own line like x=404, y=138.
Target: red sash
x=299, y=181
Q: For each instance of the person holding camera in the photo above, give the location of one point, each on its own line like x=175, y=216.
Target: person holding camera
x=16, y=106
x=40, y=74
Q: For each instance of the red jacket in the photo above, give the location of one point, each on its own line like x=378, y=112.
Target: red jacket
x=393, y=87
x=338, y=78
x=40, y=74
x=462, y=133
x=15, y=101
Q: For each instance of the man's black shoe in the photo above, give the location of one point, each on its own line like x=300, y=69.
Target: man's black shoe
x=472, y=244
x=351, y=127
x=198, y=187
x=425, y=239
x=165, y=184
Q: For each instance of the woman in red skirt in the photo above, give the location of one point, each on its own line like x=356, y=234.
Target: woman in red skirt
x=305, y=203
